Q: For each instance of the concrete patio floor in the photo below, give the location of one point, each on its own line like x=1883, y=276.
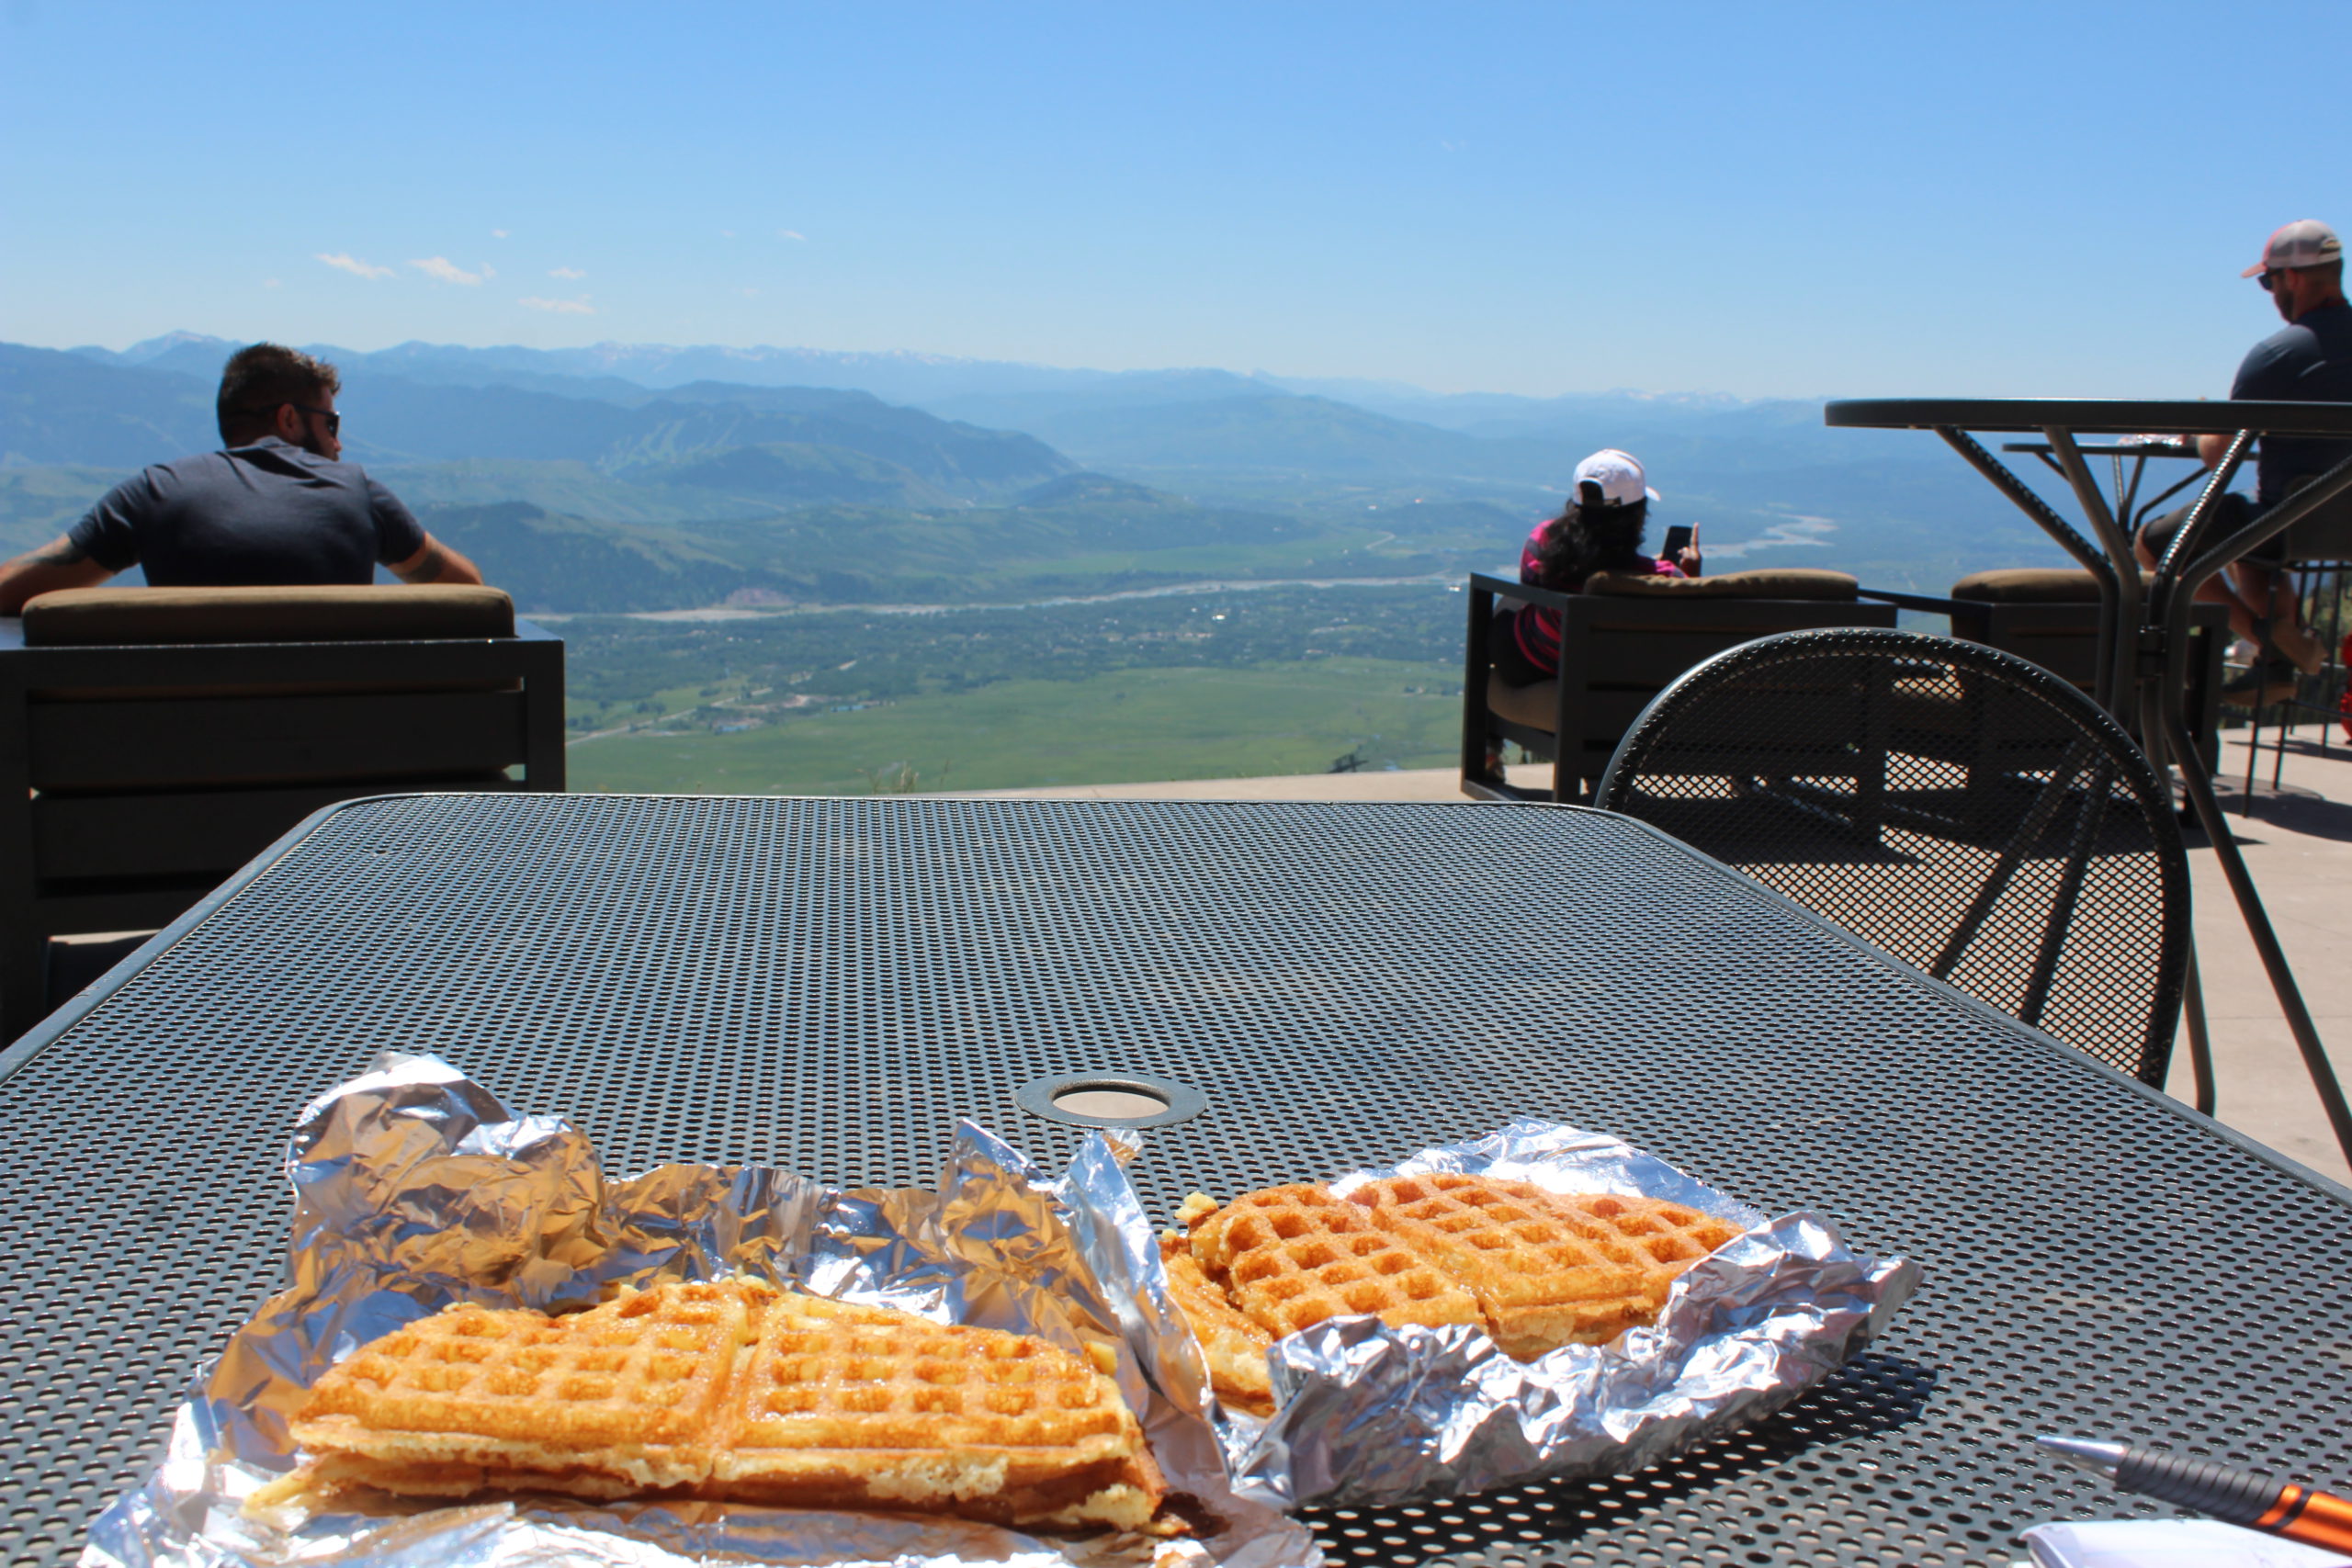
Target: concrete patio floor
x=2297, y=843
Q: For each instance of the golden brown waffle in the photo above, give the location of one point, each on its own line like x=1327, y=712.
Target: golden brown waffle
x=1537, y=1270
x=846, y=1406
x=1546, y=1272
x=1293, y=1256
x=729, y=1391
x=1234, y=1347
x=1669, y=1237
x=611, y=1401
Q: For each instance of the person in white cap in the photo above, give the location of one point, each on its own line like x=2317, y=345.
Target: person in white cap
x=2310, y=361
x=1599, y=530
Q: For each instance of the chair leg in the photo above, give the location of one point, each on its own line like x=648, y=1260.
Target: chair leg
x=2200, y=1046
x=2090, y=813
x=2038, y=819
x=2265, y=946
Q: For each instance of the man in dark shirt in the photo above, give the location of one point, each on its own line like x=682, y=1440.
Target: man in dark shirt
x=2310, y=361
x=275, y=507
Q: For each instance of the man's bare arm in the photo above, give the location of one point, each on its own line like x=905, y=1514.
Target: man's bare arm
x=437, y=562
x=60, y=563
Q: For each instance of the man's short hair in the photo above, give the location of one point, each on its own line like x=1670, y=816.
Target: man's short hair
x=257, y=381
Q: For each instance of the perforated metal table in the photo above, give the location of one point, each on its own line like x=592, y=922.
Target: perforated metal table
x=825, y=984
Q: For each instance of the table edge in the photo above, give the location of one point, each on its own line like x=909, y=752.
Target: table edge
x=2187, y=416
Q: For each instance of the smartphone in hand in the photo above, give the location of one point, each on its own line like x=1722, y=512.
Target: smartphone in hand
x=1678, y=539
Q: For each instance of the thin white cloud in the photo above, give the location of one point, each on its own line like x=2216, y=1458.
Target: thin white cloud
x=498, y=233
x=751, y=294
x=579, y=307
x=352, y=265
x=269, y=283
x=792, y=234
x=447, y=271
x=566, y=272
x=727, y=234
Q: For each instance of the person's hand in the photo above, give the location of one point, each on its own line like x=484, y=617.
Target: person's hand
x=1687, y=557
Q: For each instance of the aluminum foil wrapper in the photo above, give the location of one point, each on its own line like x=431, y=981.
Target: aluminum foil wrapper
x=416, y=1188
x=1369, y=1415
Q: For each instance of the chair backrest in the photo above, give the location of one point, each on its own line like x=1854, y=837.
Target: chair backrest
x=1621, y=643
x=1967, y=811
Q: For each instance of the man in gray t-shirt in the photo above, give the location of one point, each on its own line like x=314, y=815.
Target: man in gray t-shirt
x=274, y=507
x=2309, y=361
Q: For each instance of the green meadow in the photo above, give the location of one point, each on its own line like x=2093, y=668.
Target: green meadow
x=1128, y=726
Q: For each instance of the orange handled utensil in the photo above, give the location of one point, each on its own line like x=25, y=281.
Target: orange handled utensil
x=2257, y=1502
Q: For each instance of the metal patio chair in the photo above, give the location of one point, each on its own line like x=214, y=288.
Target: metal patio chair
x=1965, y=810
x=2321, y=586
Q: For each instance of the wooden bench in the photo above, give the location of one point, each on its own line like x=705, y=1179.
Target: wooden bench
x=154, y=741
x=2049, y=616
x=1623, y=640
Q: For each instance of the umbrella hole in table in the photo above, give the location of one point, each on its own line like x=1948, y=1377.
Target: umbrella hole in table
x=1110, y=1099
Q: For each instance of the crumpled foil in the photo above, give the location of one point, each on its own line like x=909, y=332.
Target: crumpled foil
x=416, y=1188
x=1367, y=1414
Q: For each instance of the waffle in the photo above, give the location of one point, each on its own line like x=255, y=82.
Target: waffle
x=729, y=1392
x=1536, y=1269
x=1234, y=1347
x=1293, y=1256
x=615, y=1400
x=1547, y=1270
x=1670, y=1236
x=852, y=1407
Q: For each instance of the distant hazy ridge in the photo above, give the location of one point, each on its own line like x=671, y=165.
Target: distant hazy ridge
x=639, y=477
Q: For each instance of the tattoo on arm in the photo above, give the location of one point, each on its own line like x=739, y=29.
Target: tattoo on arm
x=430, y=568
x=61, y=551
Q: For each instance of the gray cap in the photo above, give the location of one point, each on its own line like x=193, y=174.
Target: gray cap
x=2306, y=242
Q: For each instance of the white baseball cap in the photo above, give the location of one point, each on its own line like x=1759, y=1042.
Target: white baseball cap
x=1618, y=474
x=2306, y=242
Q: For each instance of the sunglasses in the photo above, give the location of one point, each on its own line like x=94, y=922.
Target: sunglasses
x=334, y=419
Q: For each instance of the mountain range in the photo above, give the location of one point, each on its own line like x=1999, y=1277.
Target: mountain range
x=645, y=477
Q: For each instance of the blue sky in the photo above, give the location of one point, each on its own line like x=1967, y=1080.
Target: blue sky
x=1769, y=200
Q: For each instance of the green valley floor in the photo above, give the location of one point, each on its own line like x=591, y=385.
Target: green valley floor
x=1301, y=717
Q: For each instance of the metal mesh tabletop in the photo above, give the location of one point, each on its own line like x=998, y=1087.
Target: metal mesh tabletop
x=824, y=985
